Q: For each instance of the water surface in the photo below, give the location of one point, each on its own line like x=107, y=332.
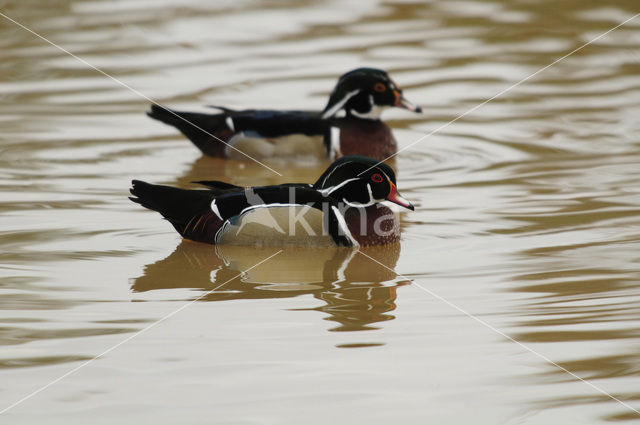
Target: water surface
x=527, y=218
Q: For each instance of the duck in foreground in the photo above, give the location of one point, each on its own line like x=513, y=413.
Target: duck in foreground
x=342, y=208
x=349, y=125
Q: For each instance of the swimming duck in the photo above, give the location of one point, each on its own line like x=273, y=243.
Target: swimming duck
x=343, y=207
x=349, y=125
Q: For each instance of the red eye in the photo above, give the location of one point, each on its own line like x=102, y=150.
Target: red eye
x=379, y=87
x=376, y=178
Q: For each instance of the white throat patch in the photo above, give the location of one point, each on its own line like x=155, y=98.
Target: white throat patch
x=373, y=114
x=359, y=205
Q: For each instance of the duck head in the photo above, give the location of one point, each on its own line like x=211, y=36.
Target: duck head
x=359, y=181
x=365, y=93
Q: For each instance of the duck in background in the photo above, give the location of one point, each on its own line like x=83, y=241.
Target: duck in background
x=350, y=124
x=342, y=208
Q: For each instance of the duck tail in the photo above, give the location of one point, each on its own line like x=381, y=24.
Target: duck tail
x=209, y=132
x=189, y=211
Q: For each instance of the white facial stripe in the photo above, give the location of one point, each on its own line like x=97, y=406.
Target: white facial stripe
x=376, y=167
x=357, y=204
x=335, y=108
x=329, y=175
x=330, y=190
x=229, y=122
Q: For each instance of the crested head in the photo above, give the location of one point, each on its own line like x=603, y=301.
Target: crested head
x=351, y=166
x=360, y=181
x=365, y=93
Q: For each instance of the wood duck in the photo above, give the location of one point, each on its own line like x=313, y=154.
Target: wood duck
x=349, y=125
x=342, y=208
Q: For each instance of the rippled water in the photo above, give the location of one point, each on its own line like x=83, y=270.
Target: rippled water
x=527, y=218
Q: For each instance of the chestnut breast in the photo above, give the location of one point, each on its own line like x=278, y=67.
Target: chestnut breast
x=372, y=138
x=373, y=225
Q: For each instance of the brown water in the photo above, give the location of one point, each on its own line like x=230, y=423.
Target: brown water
x=527, y=217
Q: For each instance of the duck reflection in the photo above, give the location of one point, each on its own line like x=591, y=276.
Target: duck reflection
x=355, y=290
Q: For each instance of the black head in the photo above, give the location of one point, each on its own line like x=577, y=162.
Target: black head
x=364, y=93
x=361, y=181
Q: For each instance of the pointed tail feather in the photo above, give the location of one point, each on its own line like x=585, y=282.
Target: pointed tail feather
x=189, y=211
x=205, y=130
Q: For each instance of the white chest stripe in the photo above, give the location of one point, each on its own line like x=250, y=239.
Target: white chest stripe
x=215, y=209
x=343, y=226
x=334, y=148
x=229, y=122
